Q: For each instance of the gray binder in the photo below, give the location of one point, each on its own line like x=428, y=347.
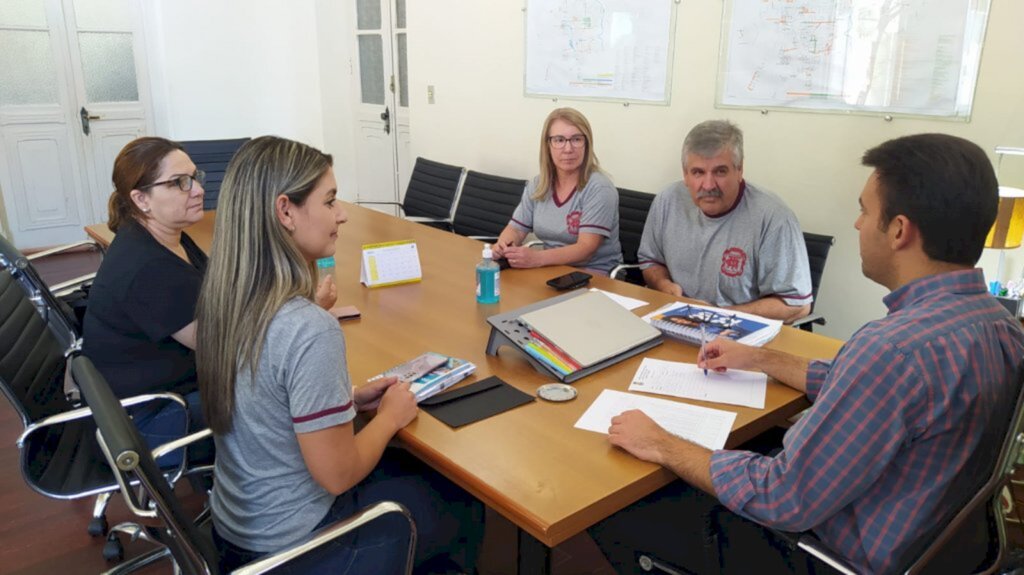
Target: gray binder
x=589, y=326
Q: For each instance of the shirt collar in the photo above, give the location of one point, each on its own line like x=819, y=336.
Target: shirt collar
x=970, y=281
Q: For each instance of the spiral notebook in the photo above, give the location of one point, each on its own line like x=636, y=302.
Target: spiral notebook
x=683, y=321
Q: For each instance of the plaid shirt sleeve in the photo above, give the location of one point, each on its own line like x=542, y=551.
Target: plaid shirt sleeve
x=835, y=452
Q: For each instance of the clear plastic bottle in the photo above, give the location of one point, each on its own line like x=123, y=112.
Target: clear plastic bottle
x=488, y=289
x=324, y=268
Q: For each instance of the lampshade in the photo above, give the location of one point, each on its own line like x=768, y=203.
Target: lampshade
x=1008, y=230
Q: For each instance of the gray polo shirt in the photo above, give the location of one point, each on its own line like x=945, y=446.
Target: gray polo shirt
x=754, y=250
x=592, y=210
x=264, y=497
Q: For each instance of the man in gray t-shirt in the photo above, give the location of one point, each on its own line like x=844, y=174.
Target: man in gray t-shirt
x=716, y=238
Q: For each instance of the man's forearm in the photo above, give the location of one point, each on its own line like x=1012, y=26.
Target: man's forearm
x=691, y=462
x=785, y=367
x=774, y=308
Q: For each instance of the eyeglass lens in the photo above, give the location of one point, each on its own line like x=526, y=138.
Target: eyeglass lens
x=560, y=141
x=184, y=182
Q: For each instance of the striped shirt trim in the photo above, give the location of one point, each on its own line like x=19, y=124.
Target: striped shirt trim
x=595, y=226
x=521, y=224
x=786, y=296
x=324, y=413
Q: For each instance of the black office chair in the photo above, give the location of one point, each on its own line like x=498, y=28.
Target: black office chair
x=633, y=208
x=212, y=157
x=188, y=543
x=970, y=537
x=59, y=457
x=818, y=247
x=486, y=205
x=431, y=193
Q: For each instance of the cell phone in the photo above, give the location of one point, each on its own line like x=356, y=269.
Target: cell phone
x=570, y=281
x=416, y=367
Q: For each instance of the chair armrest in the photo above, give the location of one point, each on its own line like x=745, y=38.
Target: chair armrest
x=485, y=239
x=424, y=220
x=331, y=532
x=64, y=288
x=83, y=412
x=806, y=323
x=621, y=268
x=533, y=243
x=814, y=547
x=64, y=248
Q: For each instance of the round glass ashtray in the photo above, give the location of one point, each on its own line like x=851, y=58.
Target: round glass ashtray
x=556, y=392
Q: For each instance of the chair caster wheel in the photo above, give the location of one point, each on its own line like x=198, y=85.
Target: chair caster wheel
x=98, y=526
x=113, y=550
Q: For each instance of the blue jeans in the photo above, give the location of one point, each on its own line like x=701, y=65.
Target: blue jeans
x=449, y=526
x=162, y=421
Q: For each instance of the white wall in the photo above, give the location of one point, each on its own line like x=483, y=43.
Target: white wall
x=336, y=38
x=228, y=69
x=472, y=53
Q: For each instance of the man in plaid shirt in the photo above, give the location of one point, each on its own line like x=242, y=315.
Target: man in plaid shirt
x=894, y=418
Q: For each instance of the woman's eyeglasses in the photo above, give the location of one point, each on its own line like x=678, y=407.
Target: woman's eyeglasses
x=184, y=181
x=560, y=141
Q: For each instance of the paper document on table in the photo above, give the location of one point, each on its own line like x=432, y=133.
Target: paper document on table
x=626, y=302
x=736, y=386
x=701, y=425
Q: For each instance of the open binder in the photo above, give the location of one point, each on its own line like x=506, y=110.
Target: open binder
x=585, y=332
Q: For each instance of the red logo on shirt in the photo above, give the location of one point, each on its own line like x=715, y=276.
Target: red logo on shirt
x=572, y=222
x=733, y=262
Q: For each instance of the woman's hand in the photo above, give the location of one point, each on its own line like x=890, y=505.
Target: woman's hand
x=367, y=396
x=326, y=293
x=398, y=405
x=524, y=257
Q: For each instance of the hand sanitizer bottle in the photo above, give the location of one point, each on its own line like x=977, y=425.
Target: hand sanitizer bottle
x=488, y=289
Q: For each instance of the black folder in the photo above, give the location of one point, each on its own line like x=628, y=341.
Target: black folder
x=474, y=402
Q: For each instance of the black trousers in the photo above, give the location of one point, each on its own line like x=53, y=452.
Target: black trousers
x=691, y=531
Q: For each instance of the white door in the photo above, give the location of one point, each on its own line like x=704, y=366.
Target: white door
x=72, y=93
x=382, y=108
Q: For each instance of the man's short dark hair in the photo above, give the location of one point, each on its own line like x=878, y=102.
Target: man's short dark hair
x=943, y=184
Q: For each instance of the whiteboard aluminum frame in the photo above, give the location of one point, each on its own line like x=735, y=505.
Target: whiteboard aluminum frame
x=669, y=65
x=847, y=110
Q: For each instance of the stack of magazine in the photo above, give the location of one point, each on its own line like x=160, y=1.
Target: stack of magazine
x=452, y=372
x=430, y=373
x=683, y=321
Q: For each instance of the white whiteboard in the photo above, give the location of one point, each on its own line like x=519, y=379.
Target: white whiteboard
x=614, y=49
x=916, y=57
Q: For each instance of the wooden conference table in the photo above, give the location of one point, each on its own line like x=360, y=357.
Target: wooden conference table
x=529, y=464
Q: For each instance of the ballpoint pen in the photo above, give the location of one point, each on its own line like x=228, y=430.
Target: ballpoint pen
x=703, y=340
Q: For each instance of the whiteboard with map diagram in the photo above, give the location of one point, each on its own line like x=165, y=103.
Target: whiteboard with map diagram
x=604, y=49
x=915, y=57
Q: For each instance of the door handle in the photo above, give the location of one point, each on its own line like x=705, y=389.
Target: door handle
x=385, y=115
x=85, y=116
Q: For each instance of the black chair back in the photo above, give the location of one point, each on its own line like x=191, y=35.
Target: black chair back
x=431, y=191
x=132, y=461
x=486, y=204
x=633, y=209
x=61, y=460
x=212, y=157
x=818, y=246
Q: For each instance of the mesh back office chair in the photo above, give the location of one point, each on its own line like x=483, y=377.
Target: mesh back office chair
x=189, y=544
x=633, y=208
x=970, y=537
x=212, y=157
x=486, y=205
x=431, y=193
x=818, y=246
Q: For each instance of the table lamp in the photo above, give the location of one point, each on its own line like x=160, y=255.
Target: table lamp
x=1008, y=230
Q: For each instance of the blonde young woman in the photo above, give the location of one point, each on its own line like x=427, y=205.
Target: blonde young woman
x=571, y=206
x=276, y=392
